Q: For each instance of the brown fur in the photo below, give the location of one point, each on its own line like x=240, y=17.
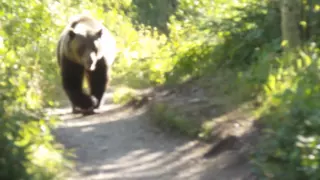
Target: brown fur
x=85, y=48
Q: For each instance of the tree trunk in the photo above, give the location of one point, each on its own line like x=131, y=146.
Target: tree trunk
x=290, y=18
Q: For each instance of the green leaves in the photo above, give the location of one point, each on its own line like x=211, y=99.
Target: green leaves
x=293, y=118
x=26, y=52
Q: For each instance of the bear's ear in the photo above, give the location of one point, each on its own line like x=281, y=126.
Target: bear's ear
x=99, y=33
x=72, y=34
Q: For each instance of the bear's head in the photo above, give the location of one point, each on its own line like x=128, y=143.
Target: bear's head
x=85, y=46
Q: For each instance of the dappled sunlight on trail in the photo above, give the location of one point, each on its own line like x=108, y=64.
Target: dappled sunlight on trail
x=122, y=143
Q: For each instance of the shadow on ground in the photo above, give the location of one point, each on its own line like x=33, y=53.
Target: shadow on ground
x=123, y=143
x=124, y=146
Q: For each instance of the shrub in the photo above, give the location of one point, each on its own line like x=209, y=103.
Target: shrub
x=290, y=146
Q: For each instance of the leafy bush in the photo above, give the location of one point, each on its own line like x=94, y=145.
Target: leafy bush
x=28, y=148
x=249, y=38
x=290, y=145
x=217, y=40
x=123, y=95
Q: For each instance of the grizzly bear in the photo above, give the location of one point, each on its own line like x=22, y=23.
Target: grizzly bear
x=85, y=48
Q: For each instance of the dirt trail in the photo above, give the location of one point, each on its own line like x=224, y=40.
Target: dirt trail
x=123, y=144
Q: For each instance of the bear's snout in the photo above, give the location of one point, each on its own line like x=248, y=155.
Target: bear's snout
x=92, y=61
x=92, y=67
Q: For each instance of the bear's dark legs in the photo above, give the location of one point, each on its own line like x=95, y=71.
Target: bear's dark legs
x=72, y=78
x=97, y=81
x=75, y=94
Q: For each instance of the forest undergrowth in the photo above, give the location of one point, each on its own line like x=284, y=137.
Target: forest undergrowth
x=235, y=50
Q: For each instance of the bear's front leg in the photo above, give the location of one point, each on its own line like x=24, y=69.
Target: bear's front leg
x=72, y=76
x=82, y=103
x=97, y=81
x=78, y=110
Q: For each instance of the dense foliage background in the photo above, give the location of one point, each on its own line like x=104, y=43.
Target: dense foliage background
x=164, y=42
